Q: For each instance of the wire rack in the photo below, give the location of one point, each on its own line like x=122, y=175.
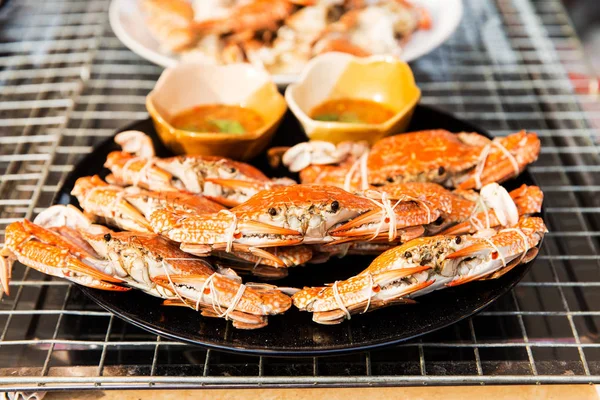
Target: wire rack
x=66, y=83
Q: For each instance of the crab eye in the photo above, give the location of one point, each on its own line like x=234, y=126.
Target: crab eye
x=107, y=237
x=390, y=179
x=228, y=170
x=335, y=205
x=441, y=170
x=458, y=240
x=408, y=254
x=272, y=212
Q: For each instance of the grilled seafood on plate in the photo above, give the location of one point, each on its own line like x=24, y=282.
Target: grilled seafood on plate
x=281, y=35
x=96, y=257
x=421, y=266
x=427, y=204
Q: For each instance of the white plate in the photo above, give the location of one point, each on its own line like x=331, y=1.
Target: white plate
x=127, y=21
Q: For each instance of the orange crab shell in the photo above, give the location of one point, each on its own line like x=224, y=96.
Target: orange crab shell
x=301, y=196
x=423, y=155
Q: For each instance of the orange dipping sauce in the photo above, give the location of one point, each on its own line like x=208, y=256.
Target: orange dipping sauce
x=218, y=118
x=356, y=111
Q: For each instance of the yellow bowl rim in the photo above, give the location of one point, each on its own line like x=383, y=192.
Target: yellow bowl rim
x=346, y=126
x=214, y=136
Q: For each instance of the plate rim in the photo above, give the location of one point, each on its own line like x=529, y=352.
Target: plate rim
x=278, y=352
x=168, y=60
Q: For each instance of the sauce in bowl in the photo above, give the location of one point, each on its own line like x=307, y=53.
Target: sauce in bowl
x=218, y=118
x=352, y=111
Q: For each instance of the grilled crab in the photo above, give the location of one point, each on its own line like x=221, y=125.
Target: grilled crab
x=283, y=216
x=421, y=266
x=155, y=265
x=280, y=217
x=109, y=260
x=128, y=208
x=463, y=161
x=223, y=180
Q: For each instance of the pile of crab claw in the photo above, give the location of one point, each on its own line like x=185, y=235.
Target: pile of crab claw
x=427, y=203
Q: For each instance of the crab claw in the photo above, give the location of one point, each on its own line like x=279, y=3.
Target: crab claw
x=132, y=213
x=248, y=187
x=6, y=263
x=528, y=199
x=132, y=170
x=221, y=227
x=47, y=252
x=255, y=227
x=363, y=219
x=507, y=249
x=239, y=183
x=204, y=250
x=474, y=250
x=99, y=198
x=314, y=152
x=241, y=320
x=136, y=142
x=531, y=254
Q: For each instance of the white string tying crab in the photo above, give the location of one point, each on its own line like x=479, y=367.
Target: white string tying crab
x=382, y=200
x=485, y=154
x=208, y=284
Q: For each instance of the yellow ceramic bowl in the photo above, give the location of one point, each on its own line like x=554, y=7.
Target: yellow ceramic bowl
x=383, y=79
x=191, y=84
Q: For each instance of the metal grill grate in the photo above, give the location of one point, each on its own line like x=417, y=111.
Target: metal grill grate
x=66, y=83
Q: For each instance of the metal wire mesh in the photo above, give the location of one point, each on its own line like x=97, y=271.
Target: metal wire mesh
x=66, y=83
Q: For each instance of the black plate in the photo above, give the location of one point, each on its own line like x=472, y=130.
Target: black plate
x=294, y=333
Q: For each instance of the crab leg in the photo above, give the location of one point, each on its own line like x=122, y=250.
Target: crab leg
x=338, y=316
x=23, y=245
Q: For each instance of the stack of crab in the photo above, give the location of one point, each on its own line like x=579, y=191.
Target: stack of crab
x=427, y=203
